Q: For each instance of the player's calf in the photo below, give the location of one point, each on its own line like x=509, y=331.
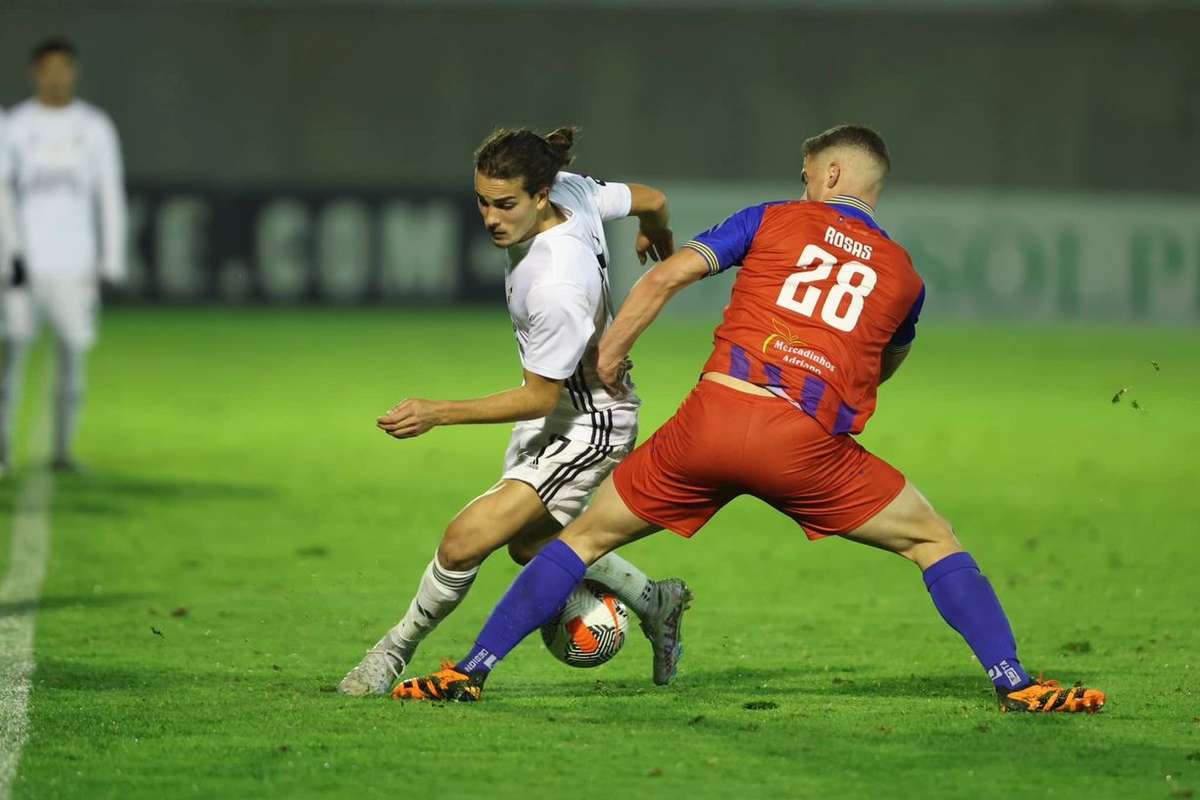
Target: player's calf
x=961, y=593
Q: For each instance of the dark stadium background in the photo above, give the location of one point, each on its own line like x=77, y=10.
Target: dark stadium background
x=308, y=151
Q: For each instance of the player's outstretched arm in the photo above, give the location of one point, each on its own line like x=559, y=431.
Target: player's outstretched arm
x=646, y=299
x=902, y=340
x=654, y=238
x=9, y=250
x=535, y=398
x=9, y=246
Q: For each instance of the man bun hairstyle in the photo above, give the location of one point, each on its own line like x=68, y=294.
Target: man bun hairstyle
x=561, y=140
x=55, y=44
x=859, y=136
x=521, y=153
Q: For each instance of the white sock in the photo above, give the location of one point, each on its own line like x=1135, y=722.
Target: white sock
x=13, y=354
x=68, y=398
x=631, y=586
x=440, y=592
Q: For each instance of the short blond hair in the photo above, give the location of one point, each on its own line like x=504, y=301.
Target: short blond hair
x=859, y=136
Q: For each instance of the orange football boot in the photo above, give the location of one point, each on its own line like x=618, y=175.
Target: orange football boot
x=1044, y=696
x=447, y=684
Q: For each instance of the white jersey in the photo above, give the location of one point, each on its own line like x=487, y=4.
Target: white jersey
x=8, y=226
x=558, y=297
x=62, y=168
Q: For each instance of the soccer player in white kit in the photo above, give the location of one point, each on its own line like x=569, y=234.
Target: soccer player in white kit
x=569, y=432
x=61, y=174
x=8, y=223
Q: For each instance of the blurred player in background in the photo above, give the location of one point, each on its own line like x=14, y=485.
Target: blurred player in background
x=569, y=431
x=60, y=168
x=824, y=309
x=8, y=222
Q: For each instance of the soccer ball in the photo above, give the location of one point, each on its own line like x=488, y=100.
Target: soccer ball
x=591, y=628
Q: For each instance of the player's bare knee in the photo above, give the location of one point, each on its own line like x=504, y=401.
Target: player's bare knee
x=932, y=539
x=588, y=542
x=459, y=549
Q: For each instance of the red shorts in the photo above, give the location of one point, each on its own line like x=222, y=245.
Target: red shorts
x=722, y=443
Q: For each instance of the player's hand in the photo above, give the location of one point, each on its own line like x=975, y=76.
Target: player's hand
x=657, y=244
x=18, y=275
x=112, y=279
x=409, y=418
x=612, y=372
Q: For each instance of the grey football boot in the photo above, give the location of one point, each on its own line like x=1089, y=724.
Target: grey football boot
x=376, y=673
x=664, y=628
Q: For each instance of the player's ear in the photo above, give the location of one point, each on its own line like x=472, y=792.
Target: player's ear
x=833, y=176
x=542, y=197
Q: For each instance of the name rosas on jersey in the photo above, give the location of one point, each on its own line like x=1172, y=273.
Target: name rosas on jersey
x=838, y=239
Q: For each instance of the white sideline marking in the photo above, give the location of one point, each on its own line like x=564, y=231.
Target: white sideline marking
x=19, y=593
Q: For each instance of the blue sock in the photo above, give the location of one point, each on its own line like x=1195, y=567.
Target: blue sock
x=967, y=602
x=537, y=594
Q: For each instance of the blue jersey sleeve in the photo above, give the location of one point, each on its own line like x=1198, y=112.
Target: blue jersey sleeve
x=907, y=331
x=727, y=244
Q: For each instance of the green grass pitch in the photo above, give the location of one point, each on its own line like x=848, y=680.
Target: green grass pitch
x=245, y=533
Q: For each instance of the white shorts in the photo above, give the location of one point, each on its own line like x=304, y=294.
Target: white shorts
x=69, y=306
x=564, y=472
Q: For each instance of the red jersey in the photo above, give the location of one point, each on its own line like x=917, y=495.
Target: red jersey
x=821, y=292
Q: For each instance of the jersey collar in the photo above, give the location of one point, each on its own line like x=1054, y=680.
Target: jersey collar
x=855, y=208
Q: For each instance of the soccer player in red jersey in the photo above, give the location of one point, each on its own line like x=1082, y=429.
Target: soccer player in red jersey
x=824, y=309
